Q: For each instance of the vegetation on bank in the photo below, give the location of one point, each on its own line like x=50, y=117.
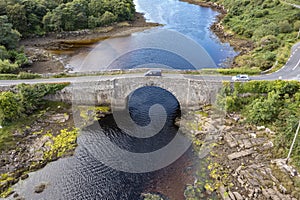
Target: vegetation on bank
x=271, y=25
x=26, y=18
x=24, y=100
x=275, y=104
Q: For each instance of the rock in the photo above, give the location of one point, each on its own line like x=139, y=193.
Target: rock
x=247, y=143
x=269, y=131
x=281, y=163
x=40, y=188
x=266, y=194
x=24, y=176
x=15, y=195
x=268, y=145
x=230, y=140
x=60, y=118
x=282, y=189
x=260, y=128
x=231, y=195
x=223, y=193
x=253, y=135
x=240, y=154
x=238, y=196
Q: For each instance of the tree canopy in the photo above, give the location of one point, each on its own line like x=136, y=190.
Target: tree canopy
x=24, y=18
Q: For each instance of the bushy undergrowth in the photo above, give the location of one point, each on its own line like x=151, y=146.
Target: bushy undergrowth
x=24, y=100
x=272, y=103
x=272, y=26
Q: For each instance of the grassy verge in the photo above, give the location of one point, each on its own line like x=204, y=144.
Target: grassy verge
x=231, y=71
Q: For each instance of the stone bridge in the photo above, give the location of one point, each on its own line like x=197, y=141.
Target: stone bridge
x=190, y=93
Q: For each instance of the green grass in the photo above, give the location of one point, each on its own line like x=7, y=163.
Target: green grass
x=271, y=25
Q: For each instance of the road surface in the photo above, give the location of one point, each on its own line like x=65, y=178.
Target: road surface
x=290, y=71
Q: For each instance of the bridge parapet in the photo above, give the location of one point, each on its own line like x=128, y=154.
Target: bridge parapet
x=190, y=93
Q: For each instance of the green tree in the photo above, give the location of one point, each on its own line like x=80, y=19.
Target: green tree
x=3, y=53
x=8, y=36
x=107, y=18
x=17, y=16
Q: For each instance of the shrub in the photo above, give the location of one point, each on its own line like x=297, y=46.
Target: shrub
x=7, y=67
x=10, y=107
x=26, y=75
x=8, y=76
x=297, y=25
x=285, y=27
x=26, y=100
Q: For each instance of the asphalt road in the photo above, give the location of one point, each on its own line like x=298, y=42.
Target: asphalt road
x=290, y=71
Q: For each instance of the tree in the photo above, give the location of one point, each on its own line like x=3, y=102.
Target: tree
x=3, y=53
x=107, y=18
x=8, y=36
x=17, y=16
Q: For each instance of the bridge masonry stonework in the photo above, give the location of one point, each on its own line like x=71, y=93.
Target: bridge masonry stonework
x=190, y=93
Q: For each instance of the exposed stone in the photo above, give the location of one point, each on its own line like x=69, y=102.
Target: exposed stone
x=231, y=195
x=40, y=188
x=238, y=196
x=240, y=154
x=259, y=128
x=230, y=140
x=223, y=193
x=269, y=131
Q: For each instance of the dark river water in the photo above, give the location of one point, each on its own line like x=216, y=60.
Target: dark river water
x=99, y=171
x=186, y=33
x=112, y=163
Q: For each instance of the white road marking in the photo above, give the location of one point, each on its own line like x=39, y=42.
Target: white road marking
x=296, y=65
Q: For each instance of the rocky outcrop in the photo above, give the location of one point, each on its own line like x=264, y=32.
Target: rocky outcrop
x=253, y=172
x=240, y=163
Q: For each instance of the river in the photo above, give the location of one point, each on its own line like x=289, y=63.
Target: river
x=96, y=171
x=183, y=25
x=88, y=174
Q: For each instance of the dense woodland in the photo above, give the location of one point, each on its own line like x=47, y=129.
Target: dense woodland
x=25, y=18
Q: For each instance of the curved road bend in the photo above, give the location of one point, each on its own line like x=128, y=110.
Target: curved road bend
x=290, y=71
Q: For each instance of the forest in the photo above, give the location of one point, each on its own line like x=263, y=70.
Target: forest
x=28, y=18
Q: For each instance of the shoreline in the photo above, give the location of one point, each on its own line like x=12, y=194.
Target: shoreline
x=44, y=51
x=241, y=45
x=89, y=36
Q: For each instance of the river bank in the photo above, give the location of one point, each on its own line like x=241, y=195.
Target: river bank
x=49, y=134
x=44, y=51
x=243, y=46
x=237, y=162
